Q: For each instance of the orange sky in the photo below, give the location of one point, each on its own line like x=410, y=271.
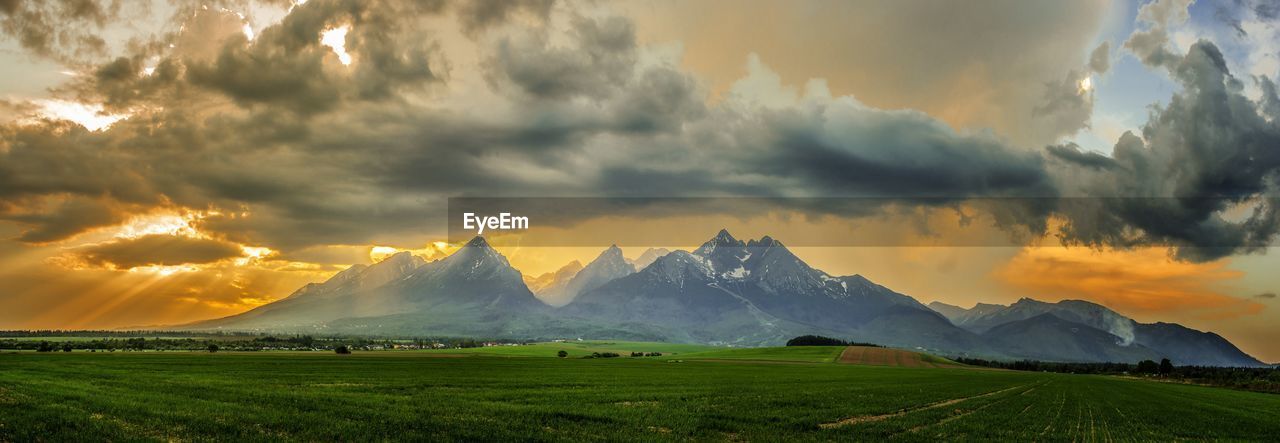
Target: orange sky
x=59, y=290
x=185, y=173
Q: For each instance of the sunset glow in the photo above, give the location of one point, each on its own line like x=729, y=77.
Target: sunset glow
x=639, y=220
x=336, y=39
x=91, y=116
x=201, y=175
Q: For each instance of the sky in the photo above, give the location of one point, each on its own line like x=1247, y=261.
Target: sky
x=171, y=161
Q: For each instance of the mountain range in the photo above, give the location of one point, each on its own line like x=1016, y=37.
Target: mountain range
x=1116, y=335
x=727, y=291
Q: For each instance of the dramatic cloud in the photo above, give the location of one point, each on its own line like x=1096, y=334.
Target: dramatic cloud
x=1072, y=153
x=1151, y=43
x=294, y=149
x=479, y=15
x=1202, y=176
x=603, y=57
x=56, y=219
x=905, y=54
x=60, y=29
x=229, y=153
x=157, y=250
x=1068, y=103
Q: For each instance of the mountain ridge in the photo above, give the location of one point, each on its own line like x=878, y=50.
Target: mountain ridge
x=1169, y=340
x=727, y=291
x=607, y=266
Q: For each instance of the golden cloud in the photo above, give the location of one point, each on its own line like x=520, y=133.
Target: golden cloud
x=157, y=250
x=1139, y=281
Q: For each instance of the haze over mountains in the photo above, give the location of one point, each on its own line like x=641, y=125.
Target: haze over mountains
x=727, y=291
x=1030, y=326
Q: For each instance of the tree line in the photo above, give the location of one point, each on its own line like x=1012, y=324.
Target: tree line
x=818, y=340
x=1263, y=379
x=229, y=342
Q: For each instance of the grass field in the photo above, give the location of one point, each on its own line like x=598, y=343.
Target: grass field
x=57, y=338
x=428, y=395
x=578, y=349
x=810, y=354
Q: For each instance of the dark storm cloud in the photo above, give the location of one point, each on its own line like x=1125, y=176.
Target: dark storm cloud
x=1210, y=150
x=843, y=152
x=1270, y=99
x=63, y=30
x=186, y=148
x=1265, y=295
x=64, y=219
x=478, y=15
x=293, y=150
x=1072, y=153
x=156, y=249
x=60, y=179
x=286, y=64
x=836, y=148
x=603, y=58
x=317, y=155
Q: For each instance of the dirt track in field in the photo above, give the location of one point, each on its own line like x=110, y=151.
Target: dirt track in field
x=938, y=404
x=867, y=355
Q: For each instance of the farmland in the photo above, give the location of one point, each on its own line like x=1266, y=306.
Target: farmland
x=515, y=393
x=868, y=355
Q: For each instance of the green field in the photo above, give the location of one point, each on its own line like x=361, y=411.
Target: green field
x=59, y=338
x=451, y=396
x=811, y=354
x=669, y=351
x=579, y=349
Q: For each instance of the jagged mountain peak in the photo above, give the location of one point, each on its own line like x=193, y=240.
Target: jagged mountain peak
x=337, y=280
x=402, y=261
x=612, y=252
x=360, y=276
x=725, y=236
x=723, y=239
x=725, y=255
x=764, y=242
x=757, y=292
x=476, y=246
x=1028, y=301
x=678, y=266
x=478, y=259
x=399, y=256
x=608, y=266
x=648, y=257
x=347, y=274
x=611, y=258
x=550, y=281
x=478, y=241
